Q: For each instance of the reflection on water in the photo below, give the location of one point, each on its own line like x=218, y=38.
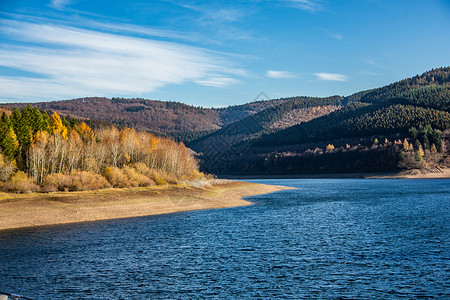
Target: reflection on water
x=327, y=239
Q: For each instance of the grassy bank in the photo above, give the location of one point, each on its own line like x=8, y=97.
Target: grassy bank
x=36, y=209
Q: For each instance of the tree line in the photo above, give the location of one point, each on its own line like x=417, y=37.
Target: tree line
x=434, y=77
x=357, y=120
x=56, y=154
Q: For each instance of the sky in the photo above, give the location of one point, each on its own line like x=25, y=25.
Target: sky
x=215, y=53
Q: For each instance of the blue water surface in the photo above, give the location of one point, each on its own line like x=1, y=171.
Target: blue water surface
x=328, y=239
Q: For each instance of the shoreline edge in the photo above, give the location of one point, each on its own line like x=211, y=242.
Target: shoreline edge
x=30, y=210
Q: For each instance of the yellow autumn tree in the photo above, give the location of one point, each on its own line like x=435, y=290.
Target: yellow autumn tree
x=56, y=125
x=85, y=132
x=433, y=149
x=406, y=145
x=420, y=150
x=330, y=147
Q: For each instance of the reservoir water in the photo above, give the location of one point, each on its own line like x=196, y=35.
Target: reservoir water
x=343, y=238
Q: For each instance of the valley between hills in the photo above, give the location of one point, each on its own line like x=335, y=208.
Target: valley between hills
x=399, y=127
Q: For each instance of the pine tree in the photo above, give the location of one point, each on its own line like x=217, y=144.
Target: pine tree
x=418, y=156
x=27, y=116
x=417, y=145
x=5, y=123
x=37, y=121
x=74, y=123
x=425, y=142
x=65, y=123
x=435, y=137
x=9, y=144
x=16, y=119
x=413, y=133
x=46, y=122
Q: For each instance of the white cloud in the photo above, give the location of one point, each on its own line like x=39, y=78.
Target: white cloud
x=280, y=74
x=310, y=5
x=75, y=62
x=212, y=12
x=331, y=76
x=337, y=36
x=224, y=14
x=60, y=4
x=217, y=81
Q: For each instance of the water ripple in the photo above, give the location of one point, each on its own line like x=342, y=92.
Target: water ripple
x=338, y=239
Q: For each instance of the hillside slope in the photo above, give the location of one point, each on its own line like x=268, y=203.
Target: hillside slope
x=222, y=147
x=358, y=132
x=150, y=115
x=418, y=101
x=367, y=131
x=362, y=130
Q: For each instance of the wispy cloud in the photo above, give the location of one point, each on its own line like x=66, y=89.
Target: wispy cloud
x=212, y=12
x=219, y=17
x=331, y=76
x=60, y=4
x=309, y=5
x=280, y=74
x=217, y=81
x=75, y=62
x=337, y=36
x=224, y=14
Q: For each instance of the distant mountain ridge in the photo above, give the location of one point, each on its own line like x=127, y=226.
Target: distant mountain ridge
x=151, y=115
x=271, y=136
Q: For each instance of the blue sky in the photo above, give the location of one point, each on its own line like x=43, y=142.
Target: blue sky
x=215, y=53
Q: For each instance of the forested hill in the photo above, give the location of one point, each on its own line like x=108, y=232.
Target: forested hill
x=414, y=102
x=378, y=129
x=401, y=125
x=427, y=81
x=223, y=146
x=157, y=116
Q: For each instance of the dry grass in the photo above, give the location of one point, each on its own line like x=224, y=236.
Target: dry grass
x=136, y=177
x=20, y=183
x=75, y=181
x=205, y=183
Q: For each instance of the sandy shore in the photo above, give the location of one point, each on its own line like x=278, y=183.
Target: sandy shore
x=416, y=174
x=23, y=210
